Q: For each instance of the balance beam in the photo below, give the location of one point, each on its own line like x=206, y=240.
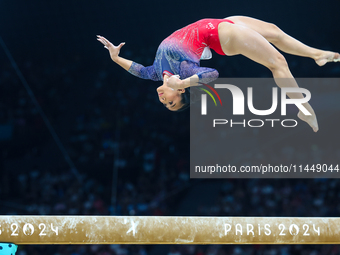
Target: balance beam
x=167, y=230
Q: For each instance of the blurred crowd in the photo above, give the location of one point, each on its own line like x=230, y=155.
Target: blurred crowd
x=131, y=157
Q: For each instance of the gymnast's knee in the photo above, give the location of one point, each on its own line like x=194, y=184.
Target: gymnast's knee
x=275, y=33
x=277, y=63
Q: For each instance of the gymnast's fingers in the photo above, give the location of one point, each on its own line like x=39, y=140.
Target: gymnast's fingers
x=104, y=41
x=101, y=40
x=107, y=42
x=121, y=45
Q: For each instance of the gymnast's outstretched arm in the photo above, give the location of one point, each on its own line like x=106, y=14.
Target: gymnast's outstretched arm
x=130, y=66
x=114, y=52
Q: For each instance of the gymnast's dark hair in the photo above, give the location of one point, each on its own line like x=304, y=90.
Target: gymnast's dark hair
x=185, y=100
x=189, y=97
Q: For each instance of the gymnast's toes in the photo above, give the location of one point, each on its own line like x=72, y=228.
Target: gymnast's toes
x=327, y=56
x=336, y=57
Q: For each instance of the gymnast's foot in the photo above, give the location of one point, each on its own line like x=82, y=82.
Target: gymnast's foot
x=8, y=249
x=310, y=119
x=327, y=56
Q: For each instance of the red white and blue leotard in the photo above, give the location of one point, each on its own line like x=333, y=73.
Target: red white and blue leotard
x=180, y=53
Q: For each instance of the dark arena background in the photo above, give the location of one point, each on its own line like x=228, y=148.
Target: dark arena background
x=81, y=136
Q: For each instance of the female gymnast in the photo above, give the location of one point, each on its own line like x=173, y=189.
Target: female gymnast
x=178, y=56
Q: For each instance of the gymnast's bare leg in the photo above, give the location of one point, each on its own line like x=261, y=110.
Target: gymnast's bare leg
x=285, y=42
x=251, y=38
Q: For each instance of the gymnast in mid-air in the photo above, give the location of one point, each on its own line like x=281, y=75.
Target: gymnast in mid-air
x=177, y=61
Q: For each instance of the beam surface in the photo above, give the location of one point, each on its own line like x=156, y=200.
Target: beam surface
x=168, y=230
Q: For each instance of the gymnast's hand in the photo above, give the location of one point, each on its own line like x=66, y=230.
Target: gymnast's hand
x=114, y=50
x=174, y=82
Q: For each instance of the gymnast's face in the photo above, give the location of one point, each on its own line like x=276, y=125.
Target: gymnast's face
x=171, y=99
